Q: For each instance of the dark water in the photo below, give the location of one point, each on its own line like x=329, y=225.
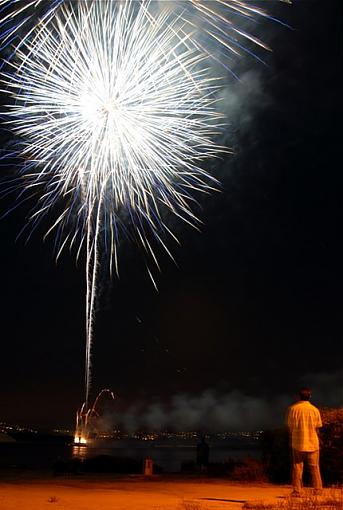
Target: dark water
x=168, y=456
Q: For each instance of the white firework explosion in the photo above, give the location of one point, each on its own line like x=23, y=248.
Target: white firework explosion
x=115, y=109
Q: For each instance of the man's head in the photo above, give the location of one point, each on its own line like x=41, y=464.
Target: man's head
x=304, y=394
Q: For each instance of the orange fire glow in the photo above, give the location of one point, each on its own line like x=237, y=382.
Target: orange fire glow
x=80, y=440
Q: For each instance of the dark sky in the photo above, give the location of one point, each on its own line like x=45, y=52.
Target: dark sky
x=253, y=309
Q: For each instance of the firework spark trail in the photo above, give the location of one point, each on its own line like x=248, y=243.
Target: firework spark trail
x=84, y=415
x=16, y=15
x=220, y=21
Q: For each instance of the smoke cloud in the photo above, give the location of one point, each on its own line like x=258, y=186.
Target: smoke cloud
x=214, y=412
x=208, y=412
x=239, y=101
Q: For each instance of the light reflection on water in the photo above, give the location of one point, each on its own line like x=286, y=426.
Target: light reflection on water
x=80, y=452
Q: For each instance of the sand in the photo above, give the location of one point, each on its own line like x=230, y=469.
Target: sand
x=131, y=493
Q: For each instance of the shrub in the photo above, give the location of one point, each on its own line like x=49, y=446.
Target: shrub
x=276, y=455
x=331, y=439
x=249, y=470
x=109, y=464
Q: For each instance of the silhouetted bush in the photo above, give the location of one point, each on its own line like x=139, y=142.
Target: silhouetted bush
x=188, y=466
x=109, y=464
x=331, y=440
x=276, y=455
x=225, y=469
x=73, y=466
x=245, y=470
x=249, y=470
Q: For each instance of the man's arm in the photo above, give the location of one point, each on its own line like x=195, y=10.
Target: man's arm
x=289, y=418
x=289, y=424
x=319, y=424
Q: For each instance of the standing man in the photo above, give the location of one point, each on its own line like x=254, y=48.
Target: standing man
x=303, y=420
x=202, y=454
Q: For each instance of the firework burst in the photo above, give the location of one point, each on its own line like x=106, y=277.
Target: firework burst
x=115, y=111
x=114, y=107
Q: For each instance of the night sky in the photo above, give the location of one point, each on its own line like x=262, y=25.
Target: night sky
x=254, y=308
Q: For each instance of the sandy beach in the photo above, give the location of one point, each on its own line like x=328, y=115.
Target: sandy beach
x=131, y=493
